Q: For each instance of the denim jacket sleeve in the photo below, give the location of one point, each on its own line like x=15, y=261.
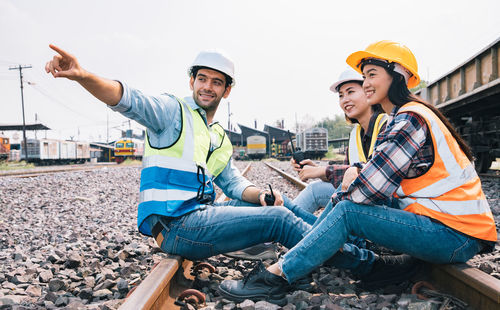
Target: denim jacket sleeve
x=232, y=183
x=154, y=112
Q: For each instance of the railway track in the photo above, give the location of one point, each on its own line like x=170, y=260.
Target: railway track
x=478, y=289
x=28, y=173
x=171, y=279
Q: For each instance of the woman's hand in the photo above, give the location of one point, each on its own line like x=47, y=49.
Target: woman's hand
x=312, y=172
x=349, y=176
x=305, y=162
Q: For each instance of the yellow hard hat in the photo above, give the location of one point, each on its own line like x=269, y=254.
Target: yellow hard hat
x=391, y=52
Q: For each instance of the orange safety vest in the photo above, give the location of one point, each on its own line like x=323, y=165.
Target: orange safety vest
x=450, y=191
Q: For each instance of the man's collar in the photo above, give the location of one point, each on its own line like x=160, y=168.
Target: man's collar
x=191, y=103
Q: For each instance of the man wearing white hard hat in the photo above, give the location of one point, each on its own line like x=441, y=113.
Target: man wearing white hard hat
x=185, y=154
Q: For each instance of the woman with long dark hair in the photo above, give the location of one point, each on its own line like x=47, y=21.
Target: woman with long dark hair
x=419, y=194
x=368, y=121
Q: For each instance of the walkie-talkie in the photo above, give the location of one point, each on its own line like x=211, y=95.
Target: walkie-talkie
x=269, y=198
x=298, y=155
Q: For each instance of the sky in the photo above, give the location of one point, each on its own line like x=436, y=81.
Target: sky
x=286, y=53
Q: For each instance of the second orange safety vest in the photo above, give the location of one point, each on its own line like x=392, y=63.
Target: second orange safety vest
x=450, y=191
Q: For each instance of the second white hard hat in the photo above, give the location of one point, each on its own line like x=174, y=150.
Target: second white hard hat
x=346, y=76
x=214, y=60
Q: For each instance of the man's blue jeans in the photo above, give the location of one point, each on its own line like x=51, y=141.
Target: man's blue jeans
x=223, y=228
x=395, y=229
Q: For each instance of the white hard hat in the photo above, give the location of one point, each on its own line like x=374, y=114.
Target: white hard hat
x=214, y=60
x=346, y=76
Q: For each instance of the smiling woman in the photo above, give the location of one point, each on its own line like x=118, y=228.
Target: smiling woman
x=419, y=193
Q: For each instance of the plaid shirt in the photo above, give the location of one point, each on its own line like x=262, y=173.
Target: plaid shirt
x=335, y=173
x=404, y=150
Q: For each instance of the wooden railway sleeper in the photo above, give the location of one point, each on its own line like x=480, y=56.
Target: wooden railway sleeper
x=428, y=291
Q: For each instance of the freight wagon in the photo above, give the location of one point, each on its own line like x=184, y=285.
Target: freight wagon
x=313, y=142
x=4, y=148
x=256, y=147
x=469, y=96
x=51, y=151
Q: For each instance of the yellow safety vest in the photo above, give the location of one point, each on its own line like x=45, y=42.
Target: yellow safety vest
x=177, y=179
x=356, y=153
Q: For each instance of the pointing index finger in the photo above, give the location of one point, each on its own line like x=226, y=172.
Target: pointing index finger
x=60, y=51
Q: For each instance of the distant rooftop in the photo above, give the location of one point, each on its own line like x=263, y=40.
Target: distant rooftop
x=6, y=127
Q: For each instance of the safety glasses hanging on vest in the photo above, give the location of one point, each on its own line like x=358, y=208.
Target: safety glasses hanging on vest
x=201, y=196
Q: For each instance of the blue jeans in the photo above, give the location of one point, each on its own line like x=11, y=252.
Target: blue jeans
x=224, y=228
x=316, y=194
x=354, y=255
x=392, y=228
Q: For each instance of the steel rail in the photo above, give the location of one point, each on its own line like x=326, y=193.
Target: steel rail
x=27, y=173
x=479, y=289
x=160, y=289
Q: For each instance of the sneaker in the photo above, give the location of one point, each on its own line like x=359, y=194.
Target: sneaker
x=390, y=269
x=261, y=251
x=259, y=284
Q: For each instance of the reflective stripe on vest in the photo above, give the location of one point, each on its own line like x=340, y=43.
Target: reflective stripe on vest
x=173, y=176
x=450, y=191
x=356, y=152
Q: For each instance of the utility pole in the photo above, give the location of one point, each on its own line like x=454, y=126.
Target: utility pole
x=20, y=68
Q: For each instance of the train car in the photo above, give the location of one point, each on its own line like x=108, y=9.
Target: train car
x=41, y=151
x=4, y=148
x=128, y=148
x=256, y=147
x=82, y=152
x=67, y=150
x=469, y=96
x=313, y=142
x=52, y=151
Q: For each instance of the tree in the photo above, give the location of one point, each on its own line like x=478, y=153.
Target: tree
x=337, y=127
x=422, y=84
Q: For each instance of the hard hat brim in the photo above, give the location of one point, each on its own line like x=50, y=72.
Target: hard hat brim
x=355, y=59
x=334, y=86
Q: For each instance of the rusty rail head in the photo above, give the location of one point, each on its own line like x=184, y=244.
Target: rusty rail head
x=154, y=289
x=301, y=185
x=477, y=288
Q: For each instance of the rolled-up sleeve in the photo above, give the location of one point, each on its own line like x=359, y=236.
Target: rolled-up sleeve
x=232, y=183
x=153, y=112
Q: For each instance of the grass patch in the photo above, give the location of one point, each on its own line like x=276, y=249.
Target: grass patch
x=14, y=165
x=333, y=155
